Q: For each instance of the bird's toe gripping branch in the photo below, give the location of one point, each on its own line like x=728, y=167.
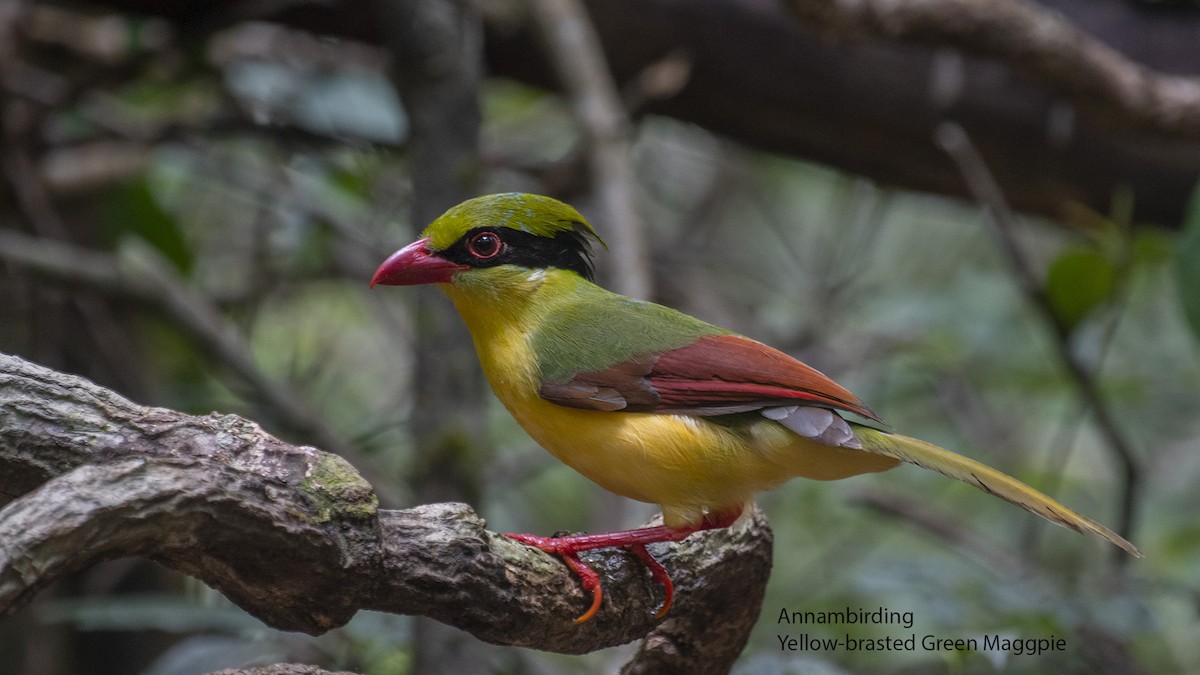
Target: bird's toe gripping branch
x=659, y=574
x=634, y=541
x=568, y=548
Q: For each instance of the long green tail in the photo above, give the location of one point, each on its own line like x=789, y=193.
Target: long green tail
x=985, y=478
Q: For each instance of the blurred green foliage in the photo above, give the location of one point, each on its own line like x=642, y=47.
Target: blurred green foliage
x=1188, y=261
x=1080, y=280
x=133, y=211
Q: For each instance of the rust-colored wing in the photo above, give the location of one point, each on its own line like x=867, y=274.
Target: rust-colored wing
x=715, y=375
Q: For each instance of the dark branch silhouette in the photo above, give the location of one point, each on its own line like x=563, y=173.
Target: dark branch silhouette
x=1035, y=40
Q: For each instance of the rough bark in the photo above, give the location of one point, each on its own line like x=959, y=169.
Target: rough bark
x=293, y=535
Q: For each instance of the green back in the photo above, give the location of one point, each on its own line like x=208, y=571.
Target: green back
x=591, y=329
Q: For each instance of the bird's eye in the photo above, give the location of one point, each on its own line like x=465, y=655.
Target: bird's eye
x=485, y=245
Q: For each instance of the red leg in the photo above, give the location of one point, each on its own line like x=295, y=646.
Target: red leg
x=635, y=540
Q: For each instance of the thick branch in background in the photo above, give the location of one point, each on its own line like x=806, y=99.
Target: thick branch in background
x=1039, y=42
x=293, y=535
x=760, y=77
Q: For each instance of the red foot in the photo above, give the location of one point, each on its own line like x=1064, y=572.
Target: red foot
x=633, y=540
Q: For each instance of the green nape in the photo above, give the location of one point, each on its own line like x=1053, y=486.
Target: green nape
x=533, y=214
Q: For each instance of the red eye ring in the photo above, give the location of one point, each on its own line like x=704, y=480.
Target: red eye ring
x=485, y=245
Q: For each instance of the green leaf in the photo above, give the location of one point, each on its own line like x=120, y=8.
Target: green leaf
x=1080, y=280
x=132, y=209
x=1187, y=264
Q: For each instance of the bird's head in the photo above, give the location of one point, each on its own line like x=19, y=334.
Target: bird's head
x=493, y=240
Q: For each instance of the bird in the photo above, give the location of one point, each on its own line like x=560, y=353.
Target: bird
x=646, y=401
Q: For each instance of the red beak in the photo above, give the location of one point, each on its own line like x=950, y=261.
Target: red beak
x=413, y=265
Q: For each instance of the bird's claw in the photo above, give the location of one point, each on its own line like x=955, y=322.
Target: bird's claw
x=659, y=574
x=590, y=582
x=566, y=549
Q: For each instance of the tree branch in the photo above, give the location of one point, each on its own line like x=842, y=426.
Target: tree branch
x=143, y=275
x=1038, y=41
x=575, y=49
x=758, y=76
x=764, y=79
x=293, y=535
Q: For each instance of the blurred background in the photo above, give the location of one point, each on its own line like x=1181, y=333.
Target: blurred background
x=193, y=196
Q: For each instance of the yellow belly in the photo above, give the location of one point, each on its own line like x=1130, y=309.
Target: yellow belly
x=684, y=464
x=688, y=465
